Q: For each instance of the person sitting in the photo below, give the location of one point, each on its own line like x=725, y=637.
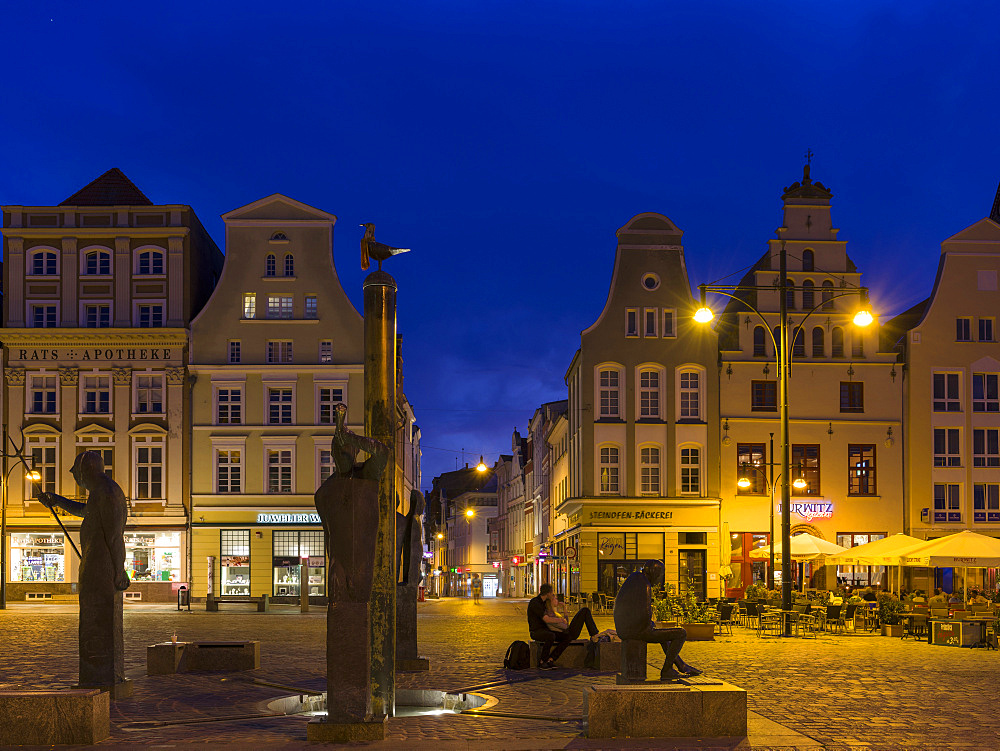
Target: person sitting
x=552, y=630
x=938, y=598
x=977, y=597
x=869, y=595
x=955, y=599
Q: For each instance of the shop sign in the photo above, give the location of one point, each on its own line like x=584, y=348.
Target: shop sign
x=609, y=546
x=315, y=561
x=277, y=518
x=630, y=515
x=571, y=553
x=284, y=561
x=810, y=510
x=95, y=353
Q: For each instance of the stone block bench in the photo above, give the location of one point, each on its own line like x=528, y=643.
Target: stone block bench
x=48, y=718
x=608, y=654
x=666, y=710
x=202, y=656
x=212, y=602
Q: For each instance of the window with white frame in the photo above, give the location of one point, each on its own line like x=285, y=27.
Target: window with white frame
x=311, y=307
x=691, y=470
x=985, y=329
x=279, y=406
x=327, y=397
x=270, y=265
x=249, y=305
x=289, y=265
x=986, y=447
x=279, y=306
x=609, y=380
x=947, y=447
x=97, y=315
x=326, y=351
x=234, y=351
x=42, y=450
x=610, y=458
x=229, y=470
x=649, y=394
x=669, y=323
x=148, y=458
x=43, y=263
x=43, y=390
x=649, y=470
x=149, y=262
x=986, y=502
x=279, y=350
x=690, y=395
x=947, y=502
x=947, y=395
x=229, y=405
x=97, y=263
x=649, y=327
x=631, y=322
x=43, y=316
x=279, y=470
x=324, y=464
x=148, y=394
x=985, y=397
x=96, y=390
x=149, y=315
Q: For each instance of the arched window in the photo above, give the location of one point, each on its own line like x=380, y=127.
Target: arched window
x=759, y=342
x=689, y=394
x=799, y=344
x=289, y=265
x=279, y=237
x=827, y=295
x=691, y=470
x=609, y=393
x=43, y=263
x=837, y=342
x=807, y=260
x=649, y=470
x=610, y=458
x=150, y=262
x=808, y=294
x=819, y=349
x=270, y=265
x=790, y=294
x=777, y=336
x=97, y=262
x=649, y=393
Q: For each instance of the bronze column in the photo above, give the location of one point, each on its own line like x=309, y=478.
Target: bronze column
x=380, y=420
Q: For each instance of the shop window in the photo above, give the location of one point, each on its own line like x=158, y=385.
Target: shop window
x=153, y=556
x=290, y=547
x=986, y=447
x=805, y=460
x=946, y=393
x=229, y=470
x=149, y=394
x=986, y=502
x=96, y=394
x=947, y=502
x=859, y=575
x=861, y=469
x=947, y=447
x=229, y=406
x=234, y=550
x=37, y=557
x=984, y=392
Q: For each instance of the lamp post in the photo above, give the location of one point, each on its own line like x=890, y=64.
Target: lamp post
x=30, y=474
x=783, y=358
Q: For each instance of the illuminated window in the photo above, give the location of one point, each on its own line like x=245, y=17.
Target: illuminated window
x=229, y=406
x=861, y=469
x=279, y=306
x=750, y=458
x=609, y=470
x=249, y=305
x=805, y=462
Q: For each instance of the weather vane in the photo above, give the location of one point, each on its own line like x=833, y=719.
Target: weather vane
x=379, y=251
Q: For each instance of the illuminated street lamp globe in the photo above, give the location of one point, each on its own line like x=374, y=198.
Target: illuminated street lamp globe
x=481, y=467
x=470, y=513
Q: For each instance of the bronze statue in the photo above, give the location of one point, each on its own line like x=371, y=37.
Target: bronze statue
x=102, y=571
x=372, y=249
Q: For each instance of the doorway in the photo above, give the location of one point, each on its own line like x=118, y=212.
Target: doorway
x=691, y=570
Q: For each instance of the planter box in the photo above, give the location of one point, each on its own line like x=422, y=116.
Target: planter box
x=665, y=624
x=895, y=630
x=699, y=631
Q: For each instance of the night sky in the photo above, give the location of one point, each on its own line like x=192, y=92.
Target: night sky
x=506, y=142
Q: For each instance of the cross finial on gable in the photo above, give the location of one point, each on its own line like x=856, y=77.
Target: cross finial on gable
x=809, y=156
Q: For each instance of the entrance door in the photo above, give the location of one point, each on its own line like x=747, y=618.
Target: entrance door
x=691, y=565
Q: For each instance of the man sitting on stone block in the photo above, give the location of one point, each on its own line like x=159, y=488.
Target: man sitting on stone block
x=634, y=620
x=548, y=628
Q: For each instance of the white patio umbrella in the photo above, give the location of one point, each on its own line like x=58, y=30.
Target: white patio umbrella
x=965, y=549
x=881, y=552
x=725, y=553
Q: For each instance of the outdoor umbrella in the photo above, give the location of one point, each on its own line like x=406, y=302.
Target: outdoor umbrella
x=804, y=547
x=725, y=553
x=882, y=552
x=966, y=549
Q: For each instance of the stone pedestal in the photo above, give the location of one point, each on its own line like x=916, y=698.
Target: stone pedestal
x=633, y=662
x=608, y=655
x=46, y=718
x=319, y=730
x=665, y=711
x=186, y=657
x=348, y=657
x=407, y=658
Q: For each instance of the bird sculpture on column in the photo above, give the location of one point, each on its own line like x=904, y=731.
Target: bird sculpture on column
x=372, y=249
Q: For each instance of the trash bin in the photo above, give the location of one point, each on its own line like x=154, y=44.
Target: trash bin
x=420, y=594
x=183, y=597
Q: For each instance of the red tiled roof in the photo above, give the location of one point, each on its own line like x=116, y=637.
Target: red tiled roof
x=110, y=189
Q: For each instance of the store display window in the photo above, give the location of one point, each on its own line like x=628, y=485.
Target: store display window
x=37, y=557
x=290, y=547
x=234, y=550
x=153, y=556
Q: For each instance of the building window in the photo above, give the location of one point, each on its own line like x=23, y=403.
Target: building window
x=279, y=306
x=290, y=548
x=326, y=351
x=609, y=380
x=750, y=459
x=947, y=447
x=857, y=344
x=279, y=470
x=946, y=393
x=690, y=395
x=249, y=305
x=43, y=459
x=649, y=327
x=986, y=502
x=43, y=316
x=985, y=329
x=610, y=458
x=669, y=323
x=764, y=396
x=819, y=346
x=324, y=461
x=289, y=265
x=43, y=263
x=97, y=316
x=234, y=552
x=947, y=502
x=96, y=395
x=649, y=394
x=229, y=406
x=148, y=472
x=963, y=329
x=149, y=394
x=228, y=470
x=649, y=470
x=799, y=344
x=234, y=351
x=270, y=265
x=759, y=341
x=97, y=263
x=279, y=350
x=861, y=469
x=107, y=457
x=837, y=342
x=986, y=447
x=984, y=392
x=279, y=406
x=807, y=261
x=631, y=322
x=150, y=262
x=805, y=462
x=691, y=471
x=828, y=295
x=328, y=399
x=150, y=316
x=852, y=396
x=808, y=294
x=311, y=309
x=43, y=394
x=790, y=294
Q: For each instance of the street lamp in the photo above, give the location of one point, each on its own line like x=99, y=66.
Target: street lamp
x=481, y=467
x=33, y=475
x=782, y=350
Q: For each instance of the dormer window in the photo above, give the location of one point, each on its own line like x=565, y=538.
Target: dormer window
x=270, y=265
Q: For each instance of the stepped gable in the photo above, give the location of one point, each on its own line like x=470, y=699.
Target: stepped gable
x=110, y=189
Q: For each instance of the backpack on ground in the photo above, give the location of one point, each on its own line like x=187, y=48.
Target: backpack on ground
x=518, y=656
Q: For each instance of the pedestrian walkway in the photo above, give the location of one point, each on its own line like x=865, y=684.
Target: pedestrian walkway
x=833, y=692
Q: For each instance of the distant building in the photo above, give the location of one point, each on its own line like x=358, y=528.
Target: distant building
x=537, y=474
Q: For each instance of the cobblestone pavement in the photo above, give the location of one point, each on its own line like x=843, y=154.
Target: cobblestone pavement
x=843, y=692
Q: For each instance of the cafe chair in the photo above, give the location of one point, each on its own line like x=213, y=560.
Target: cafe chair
x=725, y=619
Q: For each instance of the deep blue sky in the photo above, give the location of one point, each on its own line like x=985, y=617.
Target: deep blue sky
x=505, y=142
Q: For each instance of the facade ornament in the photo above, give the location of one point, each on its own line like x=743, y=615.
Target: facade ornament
x=69, y=376
x=175, y=375
x=14, y=376
x=122, y=376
